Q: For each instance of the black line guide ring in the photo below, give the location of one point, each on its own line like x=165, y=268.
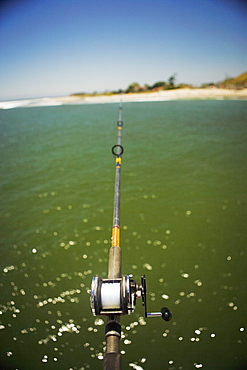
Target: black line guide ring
x=121, y=150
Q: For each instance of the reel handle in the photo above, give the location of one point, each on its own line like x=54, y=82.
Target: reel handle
x=165, y=313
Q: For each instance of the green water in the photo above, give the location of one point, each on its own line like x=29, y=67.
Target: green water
x=183, y=224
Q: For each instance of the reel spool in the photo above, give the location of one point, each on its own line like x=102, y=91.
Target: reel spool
x=116, y=297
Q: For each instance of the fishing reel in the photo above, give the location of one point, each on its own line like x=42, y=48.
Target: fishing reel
x=118, y=297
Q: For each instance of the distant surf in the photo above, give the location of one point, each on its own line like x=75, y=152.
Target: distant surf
x=28, y=103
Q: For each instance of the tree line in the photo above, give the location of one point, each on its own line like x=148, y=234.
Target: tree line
x=239, y=82
x=135, y=87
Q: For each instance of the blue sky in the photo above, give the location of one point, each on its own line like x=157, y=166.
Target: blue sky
x=57, y=47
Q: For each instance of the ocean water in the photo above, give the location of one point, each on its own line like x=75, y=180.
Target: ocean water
x=183, y=225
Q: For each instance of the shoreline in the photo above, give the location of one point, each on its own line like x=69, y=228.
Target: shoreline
x=165, y=95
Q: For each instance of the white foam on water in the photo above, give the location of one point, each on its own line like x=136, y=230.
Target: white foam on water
x=27, y=103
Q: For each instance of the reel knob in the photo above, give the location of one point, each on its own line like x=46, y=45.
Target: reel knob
x=166, y=314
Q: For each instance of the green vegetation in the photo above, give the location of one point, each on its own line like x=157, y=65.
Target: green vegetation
x=159, y=84
x=135, y=87
x=239, y=82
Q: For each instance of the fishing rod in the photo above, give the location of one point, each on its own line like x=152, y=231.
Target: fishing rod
x=116, y=295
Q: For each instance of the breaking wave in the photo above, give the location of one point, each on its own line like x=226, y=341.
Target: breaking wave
x=28, y=103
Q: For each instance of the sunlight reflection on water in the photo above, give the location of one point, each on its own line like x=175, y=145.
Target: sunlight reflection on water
x=186, y=234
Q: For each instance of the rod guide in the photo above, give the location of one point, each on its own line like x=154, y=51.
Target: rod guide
x=119, y=151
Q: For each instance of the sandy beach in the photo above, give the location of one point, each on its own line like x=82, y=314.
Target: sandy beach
x=178, y=94
x=167, y=95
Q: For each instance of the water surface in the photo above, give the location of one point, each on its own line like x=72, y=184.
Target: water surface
x=183, y=224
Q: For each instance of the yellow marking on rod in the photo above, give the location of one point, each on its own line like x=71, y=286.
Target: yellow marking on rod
x=115, y=239
x=120, y=127
x=118, y=160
